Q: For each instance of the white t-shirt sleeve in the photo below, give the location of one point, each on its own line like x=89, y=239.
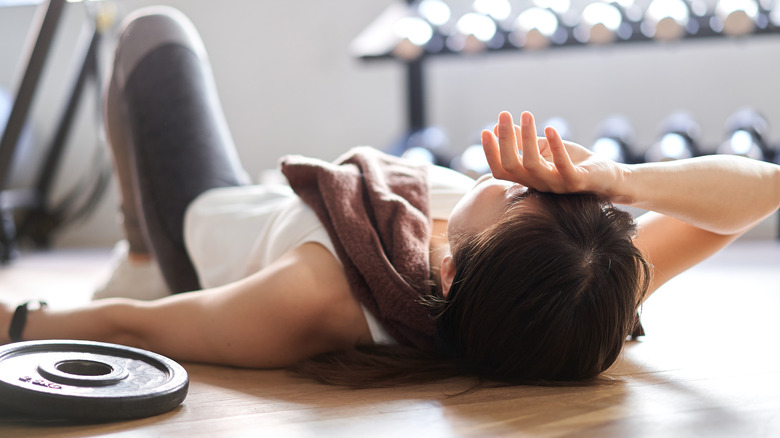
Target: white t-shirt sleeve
x=446, y=187
x=233, y=232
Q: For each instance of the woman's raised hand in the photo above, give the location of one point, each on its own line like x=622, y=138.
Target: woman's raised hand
x=548, y=164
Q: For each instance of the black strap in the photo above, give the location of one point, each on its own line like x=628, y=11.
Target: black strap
x=20, y=319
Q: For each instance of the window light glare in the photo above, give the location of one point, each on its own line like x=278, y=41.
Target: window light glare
x=698, y=7
x=674, y=9
x=741, y=142
x=419, y=155
x=666, y=19
x=435, y=11
x=738, y=17
x=673, y=146
x=479, y=25
x=748, y=6
x=415, y=29
x=544, y=20
x=603, y=13
x=498, y=9
x=609, y=148
x=558, y=6
x=473, y=158
x=774, y=16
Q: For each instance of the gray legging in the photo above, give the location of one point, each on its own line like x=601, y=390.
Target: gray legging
x=168, y=135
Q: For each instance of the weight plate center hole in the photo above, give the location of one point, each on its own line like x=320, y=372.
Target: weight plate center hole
x=82, y=367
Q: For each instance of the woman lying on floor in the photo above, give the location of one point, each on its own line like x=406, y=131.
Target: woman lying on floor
x=372, y=270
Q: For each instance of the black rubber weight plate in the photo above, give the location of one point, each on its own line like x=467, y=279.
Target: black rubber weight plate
x=88, y=381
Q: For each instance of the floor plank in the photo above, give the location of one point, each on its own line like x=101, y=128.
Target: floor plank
x=709, y=366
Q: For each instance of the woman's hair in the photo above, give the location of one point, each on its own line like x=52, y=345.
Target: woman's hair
x=547, y=294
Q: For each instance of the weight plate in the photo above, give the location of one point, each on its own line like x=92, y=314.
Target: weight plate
x=88, y=381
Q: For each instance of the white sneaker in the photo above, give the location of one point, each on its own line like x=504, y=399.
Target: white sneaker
x=132, y=279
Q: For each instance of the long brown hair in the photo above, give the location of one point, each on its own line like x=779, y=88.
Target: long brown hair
x=547, y=294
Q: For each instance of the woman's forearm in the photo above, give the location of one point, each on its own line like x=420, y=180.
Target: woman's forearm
x=113, y=320
x=719, y=193
x=167, y=326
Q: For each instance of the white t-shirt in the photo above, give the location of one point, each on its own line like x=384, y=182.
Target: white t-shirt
x=233, y=232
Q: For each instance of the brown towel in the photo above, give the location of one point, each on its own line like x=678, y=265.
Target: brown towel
x=375, y=208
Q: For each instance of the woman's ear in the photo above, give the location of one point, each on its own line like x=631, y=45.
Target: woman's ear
x=447, y=274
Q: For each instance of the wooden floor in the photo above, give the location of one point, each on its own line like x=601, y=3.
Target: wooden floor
x=709, y=366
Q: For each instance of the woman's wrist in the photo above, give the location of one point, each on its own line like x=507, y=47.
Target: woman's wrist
x=620, y=190
x=18, y=319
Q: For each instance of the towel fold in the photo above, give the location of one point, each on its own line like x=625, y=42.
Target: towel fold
x=375, y=209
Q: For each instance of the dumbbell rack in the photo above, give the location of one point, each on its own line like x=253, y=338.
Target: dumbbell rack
x=376, y=43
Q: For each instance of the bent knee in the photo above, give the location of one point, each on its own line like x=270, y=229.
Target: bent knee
x=148, y=28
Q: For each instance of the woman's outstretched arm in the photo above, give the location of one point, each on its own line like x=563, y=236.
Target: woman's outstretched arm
x=297, y=307
x=720, y=193
x=698, y=205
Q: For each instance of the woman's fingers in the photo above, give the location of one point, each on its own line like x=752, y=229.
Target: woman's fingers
x=531, y=156
x=502, y=149
x=548, y=163
x=545, y=163
x=560, y=155
x=493, y=156
x=507, y=143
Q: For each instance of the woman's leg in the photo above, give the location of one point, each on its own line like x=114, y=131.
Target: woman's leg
x=119, y=140
x=169, y=136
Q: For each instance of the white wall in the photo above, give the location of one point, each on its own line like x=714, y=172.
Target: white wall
x=288, y=84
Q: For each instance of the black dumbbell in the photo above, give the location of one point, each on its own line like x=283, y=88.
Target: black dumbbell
x=616, y=137
x=679, y=139
x=746, y=133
